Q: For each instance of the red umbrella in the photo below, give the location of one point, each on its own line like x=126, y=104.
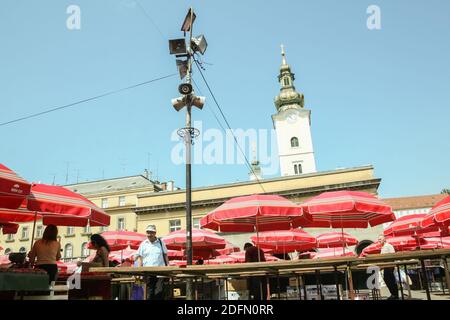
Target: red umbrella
x=229, y=248
x=439, y=215
x=347, y=209
x=201, y=239
x=399, y=244
x=13, y=189
x=4, y=259
x=240, y=257
x=18, y=215
x=336, y=240
x=330, y=253
x=62, y=207
x=255, y=213
x=284, y=241
x=223, y=259
x=408, y=225
x=9, y=228
x=120, y=240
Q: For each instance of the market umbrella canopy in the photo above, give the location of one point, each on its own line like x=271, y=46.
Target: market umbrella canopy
x=336, y=240
x=283, y=241
x=403, y=243
x=119, y=240
x=331, y=253
x=408, y=225
x=201, y=239
x=62, y=207
x=224, y=259
x=240, y=257
x=18, y=215
x=347, y=209
x=229, y=248
x=439, y=215
x=9, y=228
x=255, y=213
x=13, y=189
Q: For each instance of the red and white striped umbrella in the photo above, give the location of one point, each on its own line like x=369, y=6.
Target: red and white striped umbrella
x=347, y=209
x=285, y=241
x=336, y=240
x=62, y=207
x=17, y=215
x=13, y=189
x=229, y=248
x=408, y=225
x=174, y=263
x=224, y=259
x=255, y=213
x=330, y=253
x=404, y=243
x=439, y=215
x=240, y=257
x=201, y=239
x=120, y=240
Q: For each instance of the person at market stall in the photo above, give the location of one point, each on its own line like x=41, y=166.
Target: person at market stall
x=101, y=258
x=388, y=273
x=257, y=285
x=46, y=252
x=153, y=252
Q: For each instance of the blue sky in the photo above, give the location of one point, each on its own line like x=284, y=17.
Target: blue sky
x=377, y=97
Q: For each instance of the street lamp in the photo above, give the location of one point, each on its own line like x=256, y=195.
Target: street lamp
x=188, y=99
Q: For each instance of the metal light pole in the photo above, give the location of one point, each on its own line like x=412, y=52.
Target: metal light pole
x=188, y=100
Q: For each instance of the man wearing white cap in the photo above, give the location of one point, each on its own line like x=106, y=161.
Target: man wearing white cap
x=152, y=253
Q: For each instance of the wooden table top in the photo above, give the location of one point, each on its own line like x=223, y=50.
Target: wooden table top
x=398, y=258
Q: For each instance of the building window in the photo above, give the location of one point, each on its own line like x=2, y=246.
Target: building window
x=22, y=250
x=121, y=201
x=104, y=203
x=294, y=142
x=68, y=251
x=10, y=237
x=103, y=229
x=120, y=224
x=25, y=233
x=286, y=81
x=174, y=225
x=39, y=232
x=298, y=168
x=70, y=231
x=84, y=250
x=196, y=223
x=7, y=251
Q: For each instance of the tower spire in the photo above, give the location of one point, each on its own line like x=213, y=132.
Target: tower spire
x=288, y=97
x=283, y=56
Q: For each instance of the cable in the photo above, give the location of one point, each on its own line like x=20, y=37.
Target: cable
x=228, y=125
x=150, y=18
x=86, y=100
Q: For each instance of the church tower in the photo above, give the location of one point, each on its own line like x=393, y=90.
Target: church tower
x=292, y=123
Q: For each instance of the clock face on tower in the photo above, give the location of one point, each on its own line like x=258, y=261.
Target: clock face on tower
x=292, y=117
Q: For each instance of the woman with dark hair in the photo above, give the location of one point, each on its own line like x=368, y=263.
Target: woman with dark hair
x=101, y=258
x=46, y=252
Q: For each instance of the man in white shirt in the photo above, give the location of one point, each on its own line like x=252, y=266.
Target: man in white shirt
x=153, y=253
x=388, y=273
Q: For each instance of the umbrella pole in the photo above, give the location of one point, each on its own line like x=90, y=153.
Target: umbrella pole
x=343, y=242
x=34, y=227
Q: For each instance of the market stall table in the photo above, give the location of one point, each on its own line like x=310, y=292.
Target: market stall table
x=15, y=282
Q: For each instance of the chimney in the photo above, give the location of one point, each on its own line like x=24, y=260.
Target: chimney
x=170, y=185
x=164, y=186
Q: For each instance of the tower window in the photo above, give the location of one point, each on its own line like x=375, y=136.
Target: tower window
x=294, y=142
x=286, y=82
x=298, y=168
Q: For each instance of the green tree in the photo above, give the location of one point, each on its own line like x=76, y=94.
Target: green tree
x=445, y=191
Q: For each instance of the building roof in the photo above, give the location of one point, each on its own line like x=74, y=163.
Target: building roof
x=112, y=185
x=414, y=202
